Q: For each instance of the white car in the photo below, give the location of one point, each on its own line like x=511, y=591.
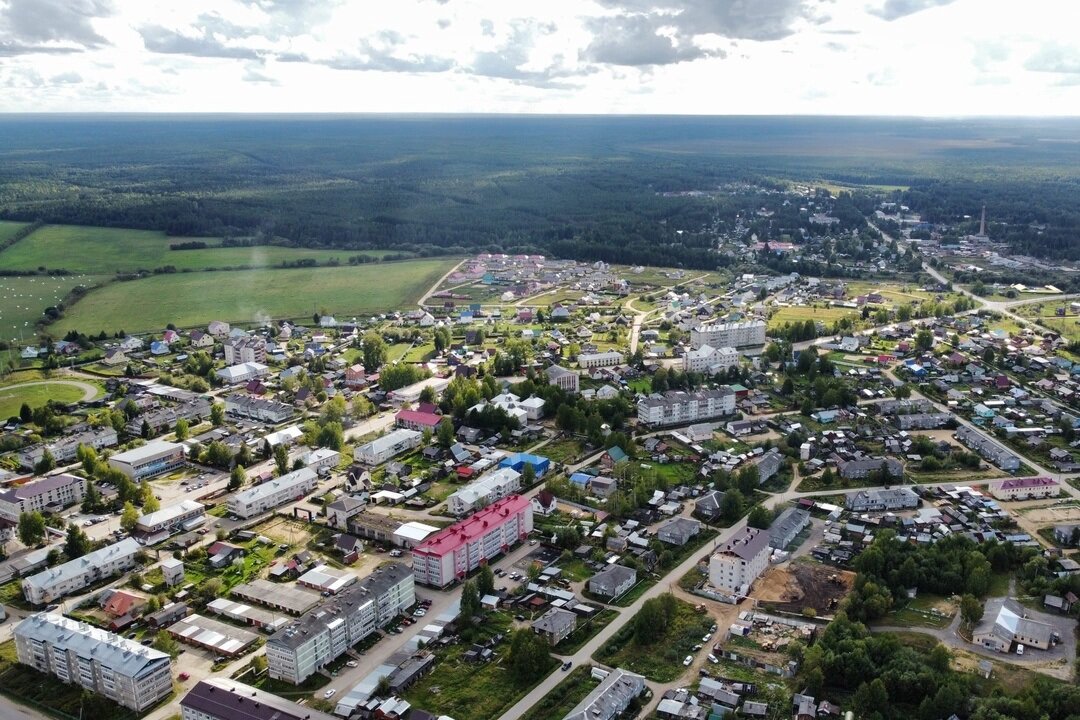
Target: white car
x=689, y=659
x=329, y=693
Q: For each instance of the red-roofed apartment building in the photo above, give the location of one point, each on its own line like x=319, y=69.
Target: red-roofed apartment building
x=417, y=420
x=453, y=552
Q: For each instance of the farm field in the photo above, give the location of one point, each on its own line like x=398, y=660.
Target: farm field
x=9, y=228
x=109, y=250
x=24, y=299
x=801, y=314
x=193, y=299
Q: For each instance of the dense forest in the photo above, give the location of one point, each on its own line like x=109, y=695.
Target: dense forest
x=584, y=187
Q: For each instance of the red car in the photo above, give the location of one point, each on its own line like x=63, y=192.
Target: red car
x=183, y=676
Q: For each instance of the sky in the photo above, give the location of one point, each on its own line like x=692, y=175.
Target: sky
x=719, y=57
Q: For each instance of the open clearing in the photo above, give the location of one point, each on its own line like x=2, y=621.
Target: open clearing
x=801, y=314
x=109, y=250
x=249, y=296
x=23, y=299
x=799, y=585
x=38, y=393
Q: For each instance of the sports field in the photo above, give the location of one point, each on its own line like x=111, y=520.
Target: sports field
x=106, y=251
x=37, y=393
x=194, y=299
x=24, y=299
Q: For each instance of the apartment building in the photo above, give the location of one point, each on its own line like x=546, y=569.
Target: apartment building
x=170, y=517
x=256, y=500
x=219, y=698
x=736, y=564
x=1031, y=488
x=484, y=491
x=153, y=458
x=63, y=450
x=708, y=359
x=383, y=448
x=256, y=408
x=324, y=633
x=48, y=494
x=453, y=552
x=106, y=664
x=683, y=408
x=987, y=449
x=735, y=334
x=600, y=359
x=881, y=499
x=55, y=582
x=245, y=349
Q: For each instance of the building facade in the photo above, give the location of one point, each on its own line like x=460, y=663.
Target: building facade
x=54, y=492
x=710, y=359
x=270, y=494
x=600, y=359
x=736, y=564
x=245, y=349
x=459, y=549
x=121, y=670
x=737, y=335
x=684, y=408
x=1032, y=488
x=484, y=491
x=383, y=448
x=58, y=581
x=153, y=458
x=323, y=634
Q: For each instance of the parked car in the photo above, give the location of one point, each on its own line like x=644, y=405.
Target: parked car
x=329, y=693
x=183, y=676
x=687, y=660
x=566, y=665
x=351, y=663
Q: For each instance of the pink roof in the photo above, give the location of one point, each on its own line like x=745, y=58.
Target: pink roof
x=420, y=418
x=449, y=539
x=1027, y=482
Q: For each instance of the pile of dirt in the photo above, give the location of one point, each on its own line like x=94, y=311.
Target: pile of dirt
x=804, y=585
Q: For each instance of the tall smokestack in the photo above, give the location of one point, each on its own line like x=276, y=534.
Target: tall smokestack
x=982, y=223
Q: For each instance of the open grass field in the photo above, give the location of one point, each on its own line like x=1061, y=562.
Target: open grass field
x=660, y=661
x=9, y=228
x=24, y=299
x=566, y=695
x=108, y=250
x=12, y=397
x=193, y=299
x=802, y=314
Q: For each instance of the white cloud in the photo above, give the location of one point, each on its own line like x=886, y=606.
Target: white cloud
x=919, y=57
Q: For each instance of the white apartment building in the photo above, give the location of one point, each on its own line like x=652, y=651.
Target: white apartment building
x=106, y=664
x=256, y=500
x=735, y=565
x=750, y=333
x=153, y=458
x=323, y=634
x=683, y=408
x=453, y=552
x=242, y=372
x=322, y=459
x=51, y=493
x=170, y=517
x=710, y=359
x=246, y=349
x=383, y=448
x=600, y=359
x=484, y=491
x=55, y=582
x=63, y=449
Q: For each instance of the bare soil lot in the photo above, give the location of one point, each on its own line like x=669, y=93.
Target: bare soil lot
x=793, y=587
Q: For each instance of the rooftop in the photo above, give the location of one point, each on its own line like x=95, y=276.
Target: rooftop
x=221, y=697
x=473, y=527
x=122, y=655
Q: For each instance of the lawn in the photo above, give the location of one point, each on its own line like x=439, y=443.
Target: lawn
x=585, y=631
x=661, y=660
x=13, y=396
x=23, y=300
x=801, y=314
x=565, y=696
x=565, y=450
x=109, y=250
x=463, y=689
x=194, y=299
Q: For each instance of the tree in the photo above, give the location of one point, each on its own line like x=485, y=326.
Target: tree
x=26, y=414
x=528, y=475
x=237, y=478
x=445, y=433
x=281, y=458
x=485, y=581
x=92, y=501
x=971, y=610
x=374, y=349
x=470, y=601
x=759, y=518
x=150, y=503
x=77, y=544
x=146, y=431
x=871, y=699
x=217, y=414
x=529, y=656
x=45, y=464
x=31, y=528
x=166, y=643
x=924, y=339
x=129, y=516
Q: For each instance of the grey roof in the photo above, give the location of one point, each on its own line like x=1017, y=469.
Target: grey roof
x=709, y=502
x=294, y=599
x=555, y=621
x=295, y=478
x=60, y=573
x=610, y=697
x=32, y=489
x=227, y=699
x=613, y=576
x=784, y=525
x=746, y=544
x=1004, y=617
x=680, y=527
x=769, y=464
x=145, y=452
x=124, y=656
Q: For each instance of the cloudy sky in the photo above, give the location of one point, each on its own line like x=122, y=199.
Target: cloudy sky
x=865, y=57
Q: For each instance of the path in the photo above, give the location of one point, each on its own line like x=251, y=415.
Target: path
x=89, y=391
x=422, y=302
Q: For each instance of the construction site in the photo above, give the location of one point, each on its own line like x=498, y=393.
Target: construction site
x=798, y=587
